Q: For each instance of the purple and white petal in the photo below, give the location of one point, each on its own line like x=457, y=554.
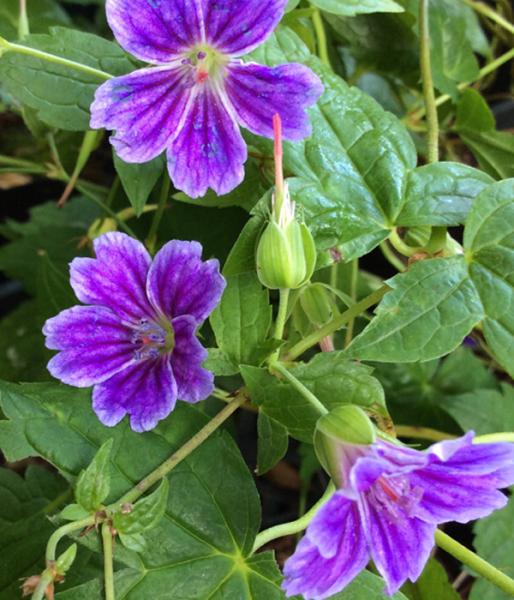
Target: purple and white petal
x=193, y=382
x=145, y=108
x=146, y=391
x=236, y=27
x=94, y=345
x=258, y=92
x=116, y=278
x=332, y=553
x=180, y=283
x=208, y=151
x=400, y=547
x=155, y=31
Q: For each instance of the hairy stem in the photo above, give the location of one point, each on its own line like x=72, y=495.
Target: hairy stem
x=428, y=84
x=59, y=60
x=321, y=36
x=472, y=560
x=298, y=385
x=58, y=534
x=280, y=321
x=183, y=452
x=278, y=531
x=156, y=221
x=108, y=562
x=337, y=322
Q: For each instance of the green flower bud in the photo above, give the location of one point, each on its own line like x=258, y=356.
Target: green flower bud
x=64, y=562
x=317, y=304
x=340, y=437
x=286, y=254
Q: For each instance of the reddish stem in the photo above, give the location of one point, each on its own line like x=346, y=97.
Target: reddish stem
x=278, y=153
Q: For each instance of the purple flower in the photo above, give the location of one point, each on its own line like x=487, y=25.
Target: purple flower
x=193, y=100
x=387, y=509
x=137, y=341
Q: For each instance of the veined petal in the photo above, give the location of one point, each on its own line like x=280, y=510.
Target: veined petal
x=193, y=382
x=258, y=92
x=146, y=391
x=399, y=548
x=155, y=31
x=237, y=27
x=94, y=345
x=180, y=283
x=116, y=278
x=332, y=553
x=208, y=151
x=145, y=108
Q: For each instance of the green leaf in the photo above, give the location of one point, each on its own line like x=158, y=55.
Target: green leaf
x=494, y=150
x=350, y=8
x=202, y=546
x=429, y=311
x=272, y=442
x=24, y=525
x=367, y=586
x=145, y=514
x=93, y=484
x=489, y=244
x=138, y=180
x=219, y=363
x=484, y=411
x=433, y=583
x=452, y=56
x=494, y=542
x=242, y=320
x=60, y=94
x=73, y=512
x=329, y=376
x=42, y=14
x=242, y=255
x=441, y=194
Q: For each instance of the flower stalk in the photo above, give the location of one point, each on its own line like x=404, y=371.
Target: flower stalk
x=298, y=385
x=108, y=562
x=428, y=84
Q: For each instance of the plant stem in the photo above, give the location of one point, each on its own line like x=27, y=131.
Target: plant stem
x=391, y=257
x=321, y=36
x=156, y=221
x=183, y=452
x=353, y=293
x=23, y=21
x=298, y=385
x=278, y=531
x=477, y=564
x=491, y=438
x=428, y=84
x=488, y=12
x=108, y=562
x=58, y=534
x=44, y=582
x=422, y=433
x=281, y=320
x=489, y=68
x=336, y=323
x=59, y=60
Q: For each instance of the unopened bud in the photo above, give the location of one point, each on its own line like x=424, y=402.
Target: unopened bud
x=340, y=438
x=317, y=304
x=64, y=562
x=101, y=226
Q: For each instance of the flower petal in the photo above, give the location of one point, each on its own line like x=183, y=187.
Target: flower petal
x=258, y=92
x=399, y=548
x=209, y=150
x=193, y=382
x=237, y=27
x=155, y=31
x=331, y=554
x=94, y=343
x=145, y=108
x=146, y=391
x=465, y=486
x=180, y=283
x=116, y=278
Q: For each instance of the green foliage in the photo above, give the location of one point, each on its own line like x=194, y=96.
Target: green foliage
x=42, y=14
x=138, y=180
x=433, y=583
x=475, y=124
x=350, y=8
x=93, y=484
x=271, y=444
x=60, y=94
x=145, y=514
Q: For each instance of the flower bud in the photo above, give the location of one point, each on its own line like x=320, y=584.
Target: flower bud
x=64, y=562
x=317, y=304
x=286, y=254
x=340, y=438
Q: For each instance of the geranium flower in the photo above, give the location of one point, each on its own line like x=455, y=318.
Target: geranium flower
x=388, y=506
x=137, y=341
x=193, y=100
